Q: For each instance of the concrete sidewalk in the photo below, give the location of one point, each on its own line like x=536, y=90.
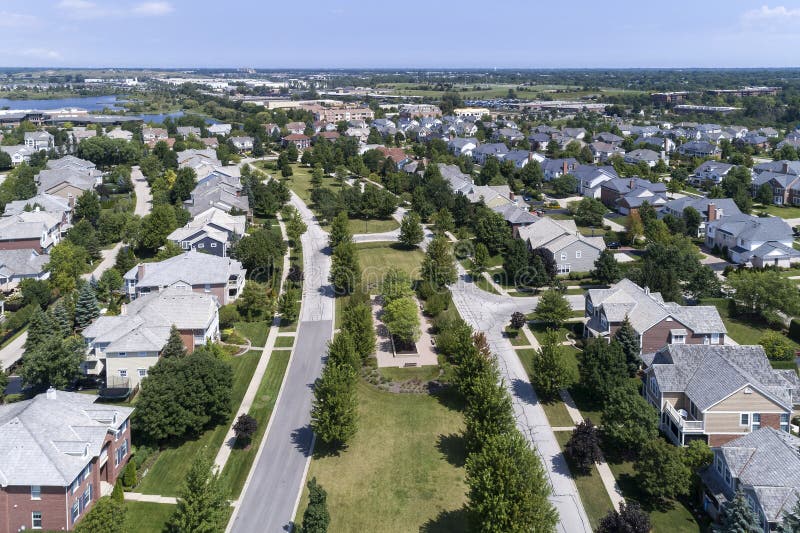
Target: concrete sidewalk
x=150, y=498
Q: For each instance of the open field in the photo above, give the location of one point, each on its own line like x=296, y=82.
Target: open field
x=377, y=258
x=403, y=470
x=145, y=517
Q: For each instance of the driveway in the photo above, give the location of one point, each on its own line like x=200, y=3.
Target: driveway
x=13, y=351
x=273, y=487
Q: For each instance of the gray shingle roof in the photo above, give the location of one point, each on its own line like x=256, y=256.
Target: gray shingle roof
x=193, y=267
x=42, y=440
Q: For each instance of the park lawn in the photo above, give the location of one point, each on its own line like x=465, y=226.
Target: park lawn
x=284, y=342
x=590, y=487
x=557, y=414
x=677, y=519
x=255, y=331
x=483, y=284
x=167, y=474
x=516, y=337
x=570, y=359
x=402, y=471
x=421, y=373
x=146, y=517
x=238, y=466
x=376, y=258
x=359, y=225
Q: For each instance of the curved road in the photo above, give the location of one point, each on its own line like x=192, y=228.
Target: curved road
x=272, y=490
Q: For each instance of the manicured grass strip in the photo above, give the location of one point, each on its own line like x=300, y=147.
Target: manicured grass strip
x=403, y=471
x=238, y=466
x=167, y=474
x=516, y=337
x=483, y=284
x=284, y=342
x=255, y=331
x=422, y=373
x=359, y=225
x=742, y=331
x=590, y=487
x=377, y=258
x=145, y=517
x=557, y=414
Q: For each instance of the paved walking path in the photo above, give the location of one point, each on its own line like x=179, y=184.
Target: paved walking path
x=494, y=285
x=609, y=482
x=150, y=498
x=255, y=382
x=13, y=351
x=615, y=226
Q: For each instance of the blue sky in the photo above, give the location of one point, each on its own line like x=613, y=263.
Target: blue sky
x=396, y=34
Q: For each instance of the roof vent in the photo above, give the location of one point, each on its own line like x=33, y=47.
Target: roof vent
x=51, y=393
x=748, y=390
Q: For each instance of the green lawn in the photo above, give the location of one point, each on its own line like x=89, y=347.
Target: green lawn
x=516, y=337
x=557, y=414
x=403, y=470
x=359, y=225
x=421, y=373
x=166, y=475
x=300, y=182
x=238, y=466
x=678, y=518
x=145, y=517
x=780, y=211
x=255, y=331
x=483, y=284
x=376, y=259
x=742, y=331
x=590, y=487
x=284, y=342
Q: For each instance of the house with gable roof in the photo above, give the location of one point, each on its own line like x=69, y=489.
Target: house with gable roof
x=563, y=243
x=754, y=240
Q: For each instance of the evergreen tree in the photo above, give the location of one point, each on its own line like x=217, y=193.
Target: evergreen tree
x=791, y=520
x=345, y=270
x=602, y=368
x=606, y=269
x=480, y=259
x=125, y=261
x=202, y=506
x=660, y=471
x=62, y=319
x=357, y=321
x=342, y=351
x=107, y=516
x=316, y=517
x=629, y=341
x=40, y=328
x=86, y=309
x=738, y=517
x=553, y=308
x=340, y=231
x=550, y=371
x=629, y=421
x=489, y=411
x=515, y=263
x=508, y=490
x=53, y=363
x=333, y=413
x=438, y=265
x=174, y=346
x=411, y=232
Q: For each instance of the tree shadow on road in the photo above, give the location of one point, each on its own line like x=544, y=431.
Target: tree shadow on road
x=302, y=438
x=524, y=391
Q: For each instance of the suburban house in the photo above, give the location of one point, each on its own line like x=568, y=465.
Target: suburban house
x=187, y=131
x=203, y=161
x=243, y=144
x=590, y=178
x=555, y=168
x=628, y=194
x=779, y=184
x=19, y=153
x=765, y=465
x=642, y=155
x=128, y=344
x=39, y=140
x=219, y=129
x=211, y=231
x=153, y=135
x=59, y=453
x=222, y=277
x=608, y=137
x=656, y=322
x=297, y=128
x=462, y=146
x=520, y=158
x=779, y=167
x=220, y=190
x=710, y=172
x=753, y=239
x=717, y=393
x=710, y=209
x=484, y=151
x=67, y=182
x=560, y=239
x=16, y=265
x=699, y=149
x=301, y=141
x=602, y=151
x=119, y=133
x=30, y=230
x=55, y=205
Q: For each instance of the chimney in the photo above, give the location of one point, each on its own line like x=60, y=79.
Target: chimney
x=564, y=167
x=70, y=200
x=712, y=212
x=51, y=393
x=140, y=271
x=666, y=144
x=786, y=167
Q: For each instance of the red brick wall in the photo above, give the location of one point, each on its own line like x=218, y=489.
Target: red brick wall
x=771, y=420
x=719, y=440
x=22, y=244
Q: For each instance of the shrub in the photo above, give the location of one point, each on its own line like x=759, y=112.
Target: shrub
x=228, y=314
x=129, y=479
x=435, y=304
x=245, y=427
x=117, y=493
x=776, y=346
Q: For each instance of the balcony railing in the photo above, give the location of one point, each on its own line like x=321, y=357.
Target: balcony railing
x=687, y=426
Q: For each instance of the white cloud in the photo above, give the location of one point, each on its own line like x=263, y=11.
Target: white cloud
x=15, y=20
x=153, y=9
x=770, y=15
x=76, y=4
x=40, y=53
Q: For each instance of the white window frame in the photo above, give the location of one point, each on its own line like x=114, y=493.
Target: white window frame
x=142, y=372
x=578, y=254
x=744, y=419
x=563, y=256
x=678, y=339
x=213, y=245
x=36, y=492
x=201, y=245
x=755, y=426
x=34, y=519
x=123, y=372
x=785, y=425
x=715, y=338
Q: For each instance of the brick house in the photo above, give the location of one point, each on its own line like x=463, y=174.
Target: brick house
x=222, y=277
x=717, y=393
x=59, y=453
x=300, y=141
x=656, y=322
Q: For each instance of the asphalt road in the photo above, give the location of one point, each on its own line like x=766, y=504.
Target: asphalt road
x=270, y=495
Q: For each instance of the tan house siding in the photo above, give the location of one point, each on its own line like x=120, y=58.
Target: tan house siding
x=65, y=191
x=724, y=423
x=676, y=399
x=743, y=402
